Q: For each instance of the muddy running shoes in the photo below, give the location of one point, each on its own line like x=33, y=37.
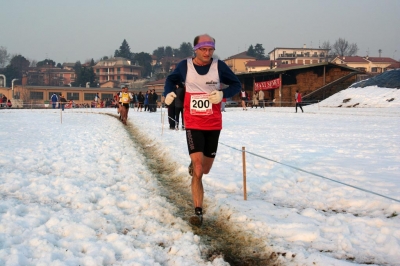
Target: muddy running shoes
x=190, y=168
x=197, y=218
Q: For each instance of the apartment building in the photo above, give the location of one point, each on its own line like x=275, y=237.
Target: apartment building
x=117, y=69
x=301, y=56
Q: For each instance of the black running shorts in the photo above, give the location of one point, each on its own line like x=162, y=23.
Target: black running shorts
x=205, y=141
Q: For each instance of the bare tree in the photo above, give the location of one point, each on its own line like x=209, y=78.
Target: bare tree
x=33, y=62
x=327, y=45
x=4, y=56
x=344, y=48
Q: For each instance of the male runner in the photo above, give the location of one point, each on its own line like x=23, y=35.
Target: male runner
x=202, y=76
x=125, y=99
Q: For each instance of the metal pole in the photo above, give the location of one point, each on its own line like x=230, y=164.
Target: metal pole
x=12, y=87
x=5, y=81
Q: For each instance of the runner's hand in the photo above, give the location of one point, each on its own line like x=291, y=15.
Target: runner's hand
x=170, y=98
x=215, y=97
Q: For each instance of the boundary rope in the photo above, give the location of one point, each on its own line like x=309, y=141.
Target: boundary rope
x=311, y=173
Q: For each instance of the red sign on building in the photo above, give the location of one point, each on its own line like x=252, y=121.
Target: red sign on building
x=267, y=85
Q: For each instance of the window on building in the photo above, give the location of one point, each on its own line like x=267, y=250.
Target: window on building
x=36, y=95
x=118, y=77
x=374, y=69
x=89, y=96
x=107, y=96
x=73, y=96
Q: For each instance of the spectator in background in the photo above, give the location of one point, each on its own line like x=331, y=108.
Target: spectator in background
x=63, y=101
x=244, y=98
x=140, y=101
x=116, y=101
x=171, y=114
x=155, y=98
x=180, y=95
x=146, y=101
x=261, y=98
x=9, y=104
x=297, y=97
x=4, y=100
x=54, y=100
x=59, y=101
x=255, y=100
x=151, y=101
x=96, y=100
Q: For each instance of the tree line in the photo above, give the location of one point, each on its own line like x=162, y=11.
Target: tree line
x=18, y=65
x=15, y=66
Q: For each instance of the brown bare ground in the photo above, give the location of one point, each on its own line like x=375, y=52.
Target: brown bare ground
x=218, y=236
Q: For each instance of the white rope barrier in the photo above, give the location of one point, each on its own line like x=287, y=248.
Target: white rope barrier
x=311, y=173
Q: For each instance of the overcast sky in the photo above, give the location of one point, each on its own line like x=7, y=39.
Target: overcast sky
x=68, y=31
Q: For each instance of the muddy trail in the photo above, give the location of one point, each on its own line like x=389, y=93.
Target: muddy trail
x=218, y=237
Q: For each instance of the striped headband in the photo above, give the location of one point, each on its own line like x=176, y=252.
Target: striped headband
x=204, y=44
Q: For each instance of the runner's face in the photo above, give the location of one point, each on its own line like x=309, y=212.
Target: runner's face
x=204, y=54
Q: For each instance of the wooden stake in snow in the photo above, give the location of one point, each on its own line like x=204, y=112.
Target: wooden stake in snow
x=244, y=173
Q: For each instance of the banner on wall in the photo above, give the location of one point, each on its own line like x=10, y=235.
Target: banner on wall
x=267, y=85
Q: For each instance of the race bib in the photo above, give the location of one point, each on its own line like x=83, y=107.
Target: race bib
x=200, y=105
x=125, y=100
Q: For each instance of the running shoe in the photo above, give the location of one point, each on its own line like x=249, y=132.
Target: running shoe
x=197, y=218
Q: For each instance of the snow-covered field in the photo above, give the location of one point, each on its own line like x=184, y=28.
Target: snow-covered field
x=323, y=186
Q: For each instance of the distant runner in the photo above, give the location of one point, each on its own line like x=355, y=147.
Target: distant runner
x=125, y=99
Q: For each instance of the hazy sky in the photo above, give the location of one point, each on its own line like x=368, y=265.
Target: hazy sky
x=68, y=31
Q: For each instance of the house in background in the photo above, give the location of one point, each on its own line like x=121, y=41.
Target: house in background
x=49, y=76
x=69, y=66
x=117, y=69
x=393, y=66
x=366, y=64
x=237, y=63
x=259, y=65
x=299, y=56
x=356, y=62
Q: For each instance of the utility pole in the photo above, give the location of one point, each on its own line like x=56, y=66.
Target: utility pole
x=12, y=87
